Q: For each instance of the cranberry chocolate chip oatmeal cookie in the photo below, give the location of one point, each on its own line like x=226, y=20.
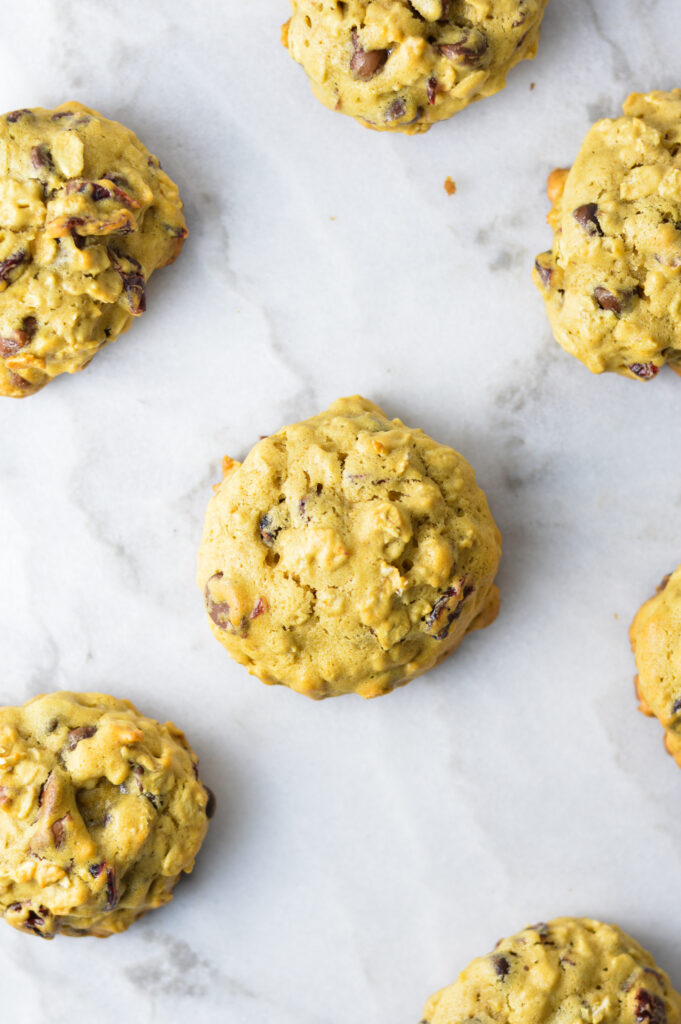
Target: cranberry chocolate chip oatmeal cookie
x=655, y=636
x=101, y=810
x=401, y=66
x=569, y=969
x=86, y=216
x=612, y=281
x=348, y=553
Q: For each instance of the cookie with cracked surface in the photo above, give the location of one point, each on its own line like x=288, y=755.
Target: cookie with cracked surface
x=655, y=636
x=101, y=810
x=396, y=65
x=86, y=216
x=568, y=969
x=612, y=281
x=348, y=553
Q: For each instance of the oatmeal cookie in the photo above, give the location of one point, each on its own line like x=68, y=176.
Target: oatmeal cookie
x=612, y=281
x=655, y=636
x=396, y=65
x=101, y=810
x=348, y=553
x=86, y=216
x=570, y=969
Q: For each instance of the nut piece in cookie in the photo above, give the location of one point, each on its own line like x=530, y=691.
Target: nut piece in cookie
x=87, y=215
x=567, y=969
x=101, y=810
x=402, y=66
x=347, y=554
x=655, y=636
x=612, y=279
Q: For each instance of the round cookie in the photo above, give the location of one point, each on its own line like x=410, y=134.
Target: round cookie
x=568, y=970
x=87, y=215
x=348, y=553
x=101, y=810
x=655, y=636
x=612, y=281
x=401, y=66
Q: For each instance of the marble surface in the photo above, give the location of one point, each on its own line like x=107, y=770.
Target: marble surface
x=362, y=852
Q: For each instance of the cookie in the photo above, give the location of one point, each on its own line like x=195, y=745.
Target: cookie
x=612, y=281
x=86, y=216
x=655, y=636
x=568, y=970
x=348, y=553
x=400, y=66
x=101, y=810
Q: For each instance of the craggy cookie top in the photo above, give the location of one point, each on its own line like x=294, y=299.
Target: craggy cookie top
x=656, y=641
x=101, y=809
x=400, y=66
x=612, y=282
x=557, y=973
x=347, y=553
x=86, y=215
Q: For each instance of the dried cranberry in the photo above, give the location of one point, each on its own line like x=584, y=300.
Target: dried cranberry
x=646, y=371
x=11, y=262
x=649, y=1007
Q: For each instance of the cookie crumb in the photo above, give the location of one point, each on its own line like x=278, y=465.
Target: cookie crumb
x=450, y=186
x=532, y=84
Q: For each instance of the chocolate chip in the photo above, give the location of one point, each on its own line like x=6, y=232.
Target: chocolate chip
x=14, y=115
x=134, y=284
x=431, y=89
x=60, y=114
x=41, y=157
x=608, y=300
x=10, y=263
x=84, y=732
x=364, y=64
x=545, y=273
x=34, y=922
x=676, y=706
x=646, y=371
x=268, y=532
x=29, y=326
x=211, y=803
x=396, y=110
x=9, y=346
x=153, y=800
x=468, y=51
x=649, y=1007
x=586, y=217
x=501, y=966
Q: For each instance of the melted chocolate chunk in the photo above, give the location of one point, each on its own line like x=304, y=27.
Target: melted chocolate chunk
x=84, y=732
x=586, y=217
x=364, y=64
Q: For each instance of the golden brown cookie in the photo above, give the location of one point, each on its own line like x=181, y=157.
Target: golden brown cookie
x=86, y=216
x=396, y=65
x=101, y=810
x=568, y=970
x=655, y=636
x=612, y=280
x=348, y=553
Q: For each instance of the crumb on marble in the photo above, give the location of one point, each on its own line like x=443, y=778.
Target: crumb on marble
x=450, y=186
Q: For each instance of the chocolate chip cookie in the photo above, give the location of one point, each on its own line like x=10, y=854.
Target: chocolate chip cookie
x=101, y=810
x=86, y=216
x=612, y=281
x=396, y=65
x=655, y=636
x=567, y=970
x=348, y=553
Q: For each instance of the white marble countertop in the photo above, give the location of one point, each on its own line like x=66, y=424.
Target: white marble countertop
x=362, y=852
